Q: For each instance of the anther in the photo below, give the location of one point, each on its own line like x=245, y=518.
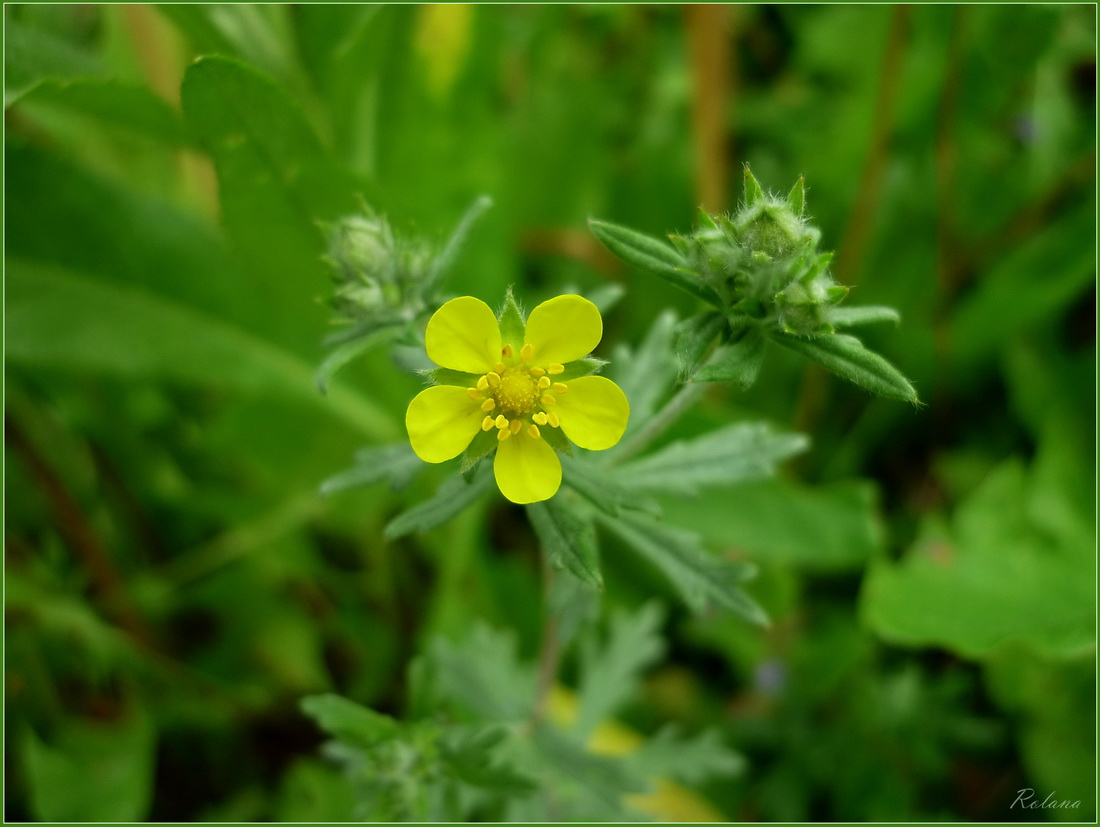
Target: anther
x=547, y=400
x=533, y=431
x=560, y=387
x=487, y=423
x=483, y=383
x=473, y=393
x=488, y=404
x=539, y=418
x=544, y=383
x=552, y=418
x=499, y=367
x=516, y=426
x=556, y=369
x=527, y=353
x=493, y=379
x=501, y=421
x=507, y=351
x=537, y=372
x=503, y=434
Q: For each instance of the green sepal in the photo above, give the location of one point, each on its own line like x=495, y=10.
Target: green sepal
x=852, y=316
x=737, y=362
x=512, y=323
x=749, y=306
x=753, y=190
x=836, y=293
x=556, y=440
x=484, y=443
x=820, y=266
x=849, y=359
x=692, y=337
x=706, y=221
x=579, y=367
x=446, y=376
x=796, y=198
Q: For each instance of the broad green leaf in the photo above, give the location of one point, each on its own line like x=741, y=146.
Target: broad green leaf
x=134, y=108
x=32, y=55
x=820, y=528
x=742, y=451
x=854, y=316
x=612, y=668
x=689, y=760
x=349, y=722
x=697, y=575
x=396, y=464
x=568, y=538
x=991, y=578
x=652, y=255
x=453, y=496
x=849, y=359
x=737, y=362
x=92, y=771
x=58, y=319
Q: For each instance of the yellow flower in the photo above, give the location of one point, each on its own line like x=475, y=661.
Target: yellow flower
x=516, y=389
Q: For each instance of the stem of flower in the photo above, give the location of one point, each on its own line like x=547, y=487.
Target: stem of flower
x=688, y=394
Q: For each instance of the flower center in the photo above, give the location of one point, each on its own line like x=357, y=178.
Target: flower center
x=517, y=395
x=517, y=391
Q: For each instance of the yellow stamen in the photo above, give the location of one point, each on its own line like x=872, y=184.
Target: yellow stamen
x=527, y=353
x=473, y=393
x=487, y=423
x=552, y=418
x=544, y=383
x=539, y=418
x=537, y=372
x=556, y=369
x=501, y=421
x=507, y=351
x=560, y=387
x=493, y=379
x=503, y=434
x=488, y=404
x=533, y=431
x=516, y=426
x=547, y=400
x=483, y=383
x=499, y=367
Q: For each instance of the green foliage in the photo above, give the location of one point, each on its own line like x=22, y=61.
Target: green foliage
x=215, y=210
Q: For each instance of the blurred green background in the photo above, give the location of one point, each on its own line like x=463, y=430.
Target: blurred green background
x=174, y=582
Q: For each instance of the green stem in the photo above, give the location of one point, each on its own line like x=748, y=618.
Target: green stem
x=688, y=394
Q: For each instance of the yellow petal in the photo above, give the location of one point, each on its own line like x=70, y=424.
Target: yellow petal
x=563, y=329
x=527, y=469
x=441, y=422
x=594, y=413
x=463, y=335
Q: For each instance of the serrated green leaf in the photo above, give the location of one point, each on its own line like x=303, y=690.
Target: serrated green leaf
x=600, y=488
x=453, y=496
x=482, y=673
x=737, y=362
x=689, y=760
x=611, y=668
x=692, y=337
x=849, y=359
x=853, y=316
x=349, y=722
x=604, y=777
x=653, y=256
x=568, y=538
x=77, y=322
x=470, y=753
x=738, y=452
x=645, y=373
x=697, y=575
x=396, y=464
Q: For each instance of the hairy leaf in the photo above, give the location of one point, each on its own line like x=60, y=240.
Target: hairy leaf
x=849, y=359
x=737, y=362
x=349, y=722
x=652, y=255
x=453, y=496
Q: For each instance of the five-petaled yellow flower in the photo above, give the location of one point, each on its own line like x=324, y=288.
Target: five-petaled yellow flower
x=518, y=389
